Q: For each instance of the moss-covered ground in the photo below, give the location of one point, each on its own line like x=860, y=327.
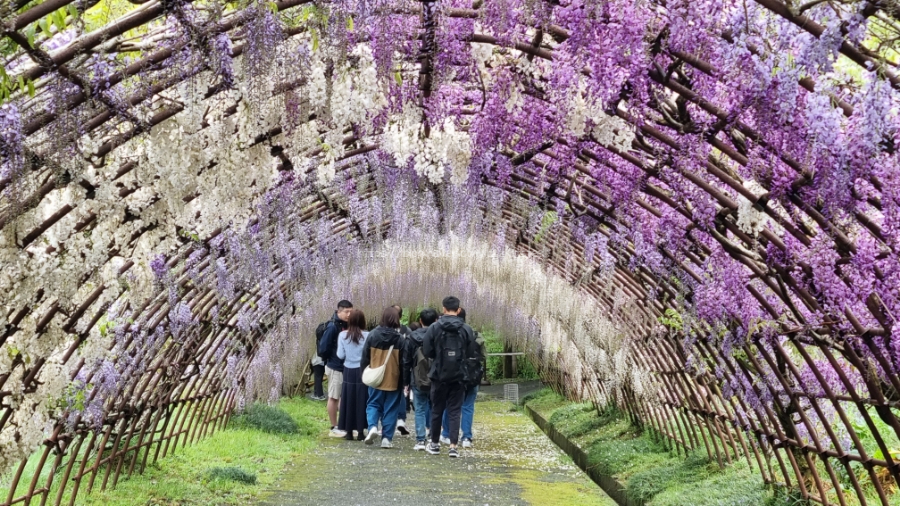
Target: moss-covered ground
x=650, y=472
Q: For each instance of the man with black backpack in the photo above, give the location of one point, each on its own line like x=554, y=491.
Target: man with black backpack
x=416, y=368
x=475, y=374
x=334, y=367
x=451, y=344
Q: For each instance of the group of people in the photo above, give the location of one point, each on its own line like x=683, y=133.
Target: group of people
x=437, y=360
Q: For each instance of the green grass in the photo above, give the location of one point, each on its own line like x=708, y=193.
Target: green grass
x=231, y=474
x=234, y=466
x=544, y=401
x=649, y=471
x=271, y=419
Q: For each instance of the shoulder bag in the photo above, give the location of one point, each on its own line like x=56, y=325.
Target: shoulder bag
x=374, y=376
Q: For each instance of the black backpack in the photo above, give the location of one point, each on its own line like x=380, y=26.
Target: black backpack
x=475, y=363
x=320, y=331
x=453, y=349
x=421, y=368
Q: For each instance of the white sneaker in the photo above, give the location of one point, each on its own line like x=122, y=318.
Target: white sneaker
x=401, y=428
x=466, y=443
x=420, y=445
x=386, y=443
x=337, y=433
x=370, y=437
x=445, y=440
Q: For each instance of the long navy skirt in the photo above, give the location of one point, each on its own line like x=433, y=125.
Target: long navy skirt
x=354, y=397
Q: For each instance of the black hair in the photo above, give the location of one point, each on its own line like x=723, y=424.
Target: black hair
x=399, y=309
x=428, y=316
x=414, y=326
x=462, y=313
x=390, y=318
x=344, y=304
x=450, y=303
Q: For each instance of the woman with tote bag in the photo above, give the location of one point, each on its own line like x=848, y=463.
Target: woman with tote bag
x=381, y=359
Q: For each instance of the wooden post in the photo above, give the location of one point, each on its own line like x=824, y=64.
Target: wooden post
x=510, y=369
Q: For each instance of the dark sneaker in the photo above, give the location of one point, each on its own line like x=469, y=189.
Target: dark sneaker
x=433, y=449
x=453, y=453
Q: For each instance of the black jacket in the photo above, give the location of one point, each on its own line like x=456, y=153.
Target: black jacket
x=329, y=343
x=413, y=343
x=446, y=322
x=382, y=338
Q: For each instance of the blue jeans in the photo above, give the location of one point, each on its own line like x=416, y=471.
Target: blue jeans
x=383, y=405
x=422, y=404
x=468, y=415
x=401, y=409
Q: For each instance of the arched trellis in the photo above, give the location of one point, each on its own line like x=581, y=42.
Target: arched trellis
x=768, y=393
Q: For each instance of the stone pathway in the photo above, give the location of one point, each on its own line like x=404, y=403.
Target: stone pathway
x=512, y=464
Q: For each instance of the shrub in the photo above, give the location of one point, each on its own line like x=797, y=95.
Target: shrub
x=493, y=343
x=269, y=419
x=230, y=474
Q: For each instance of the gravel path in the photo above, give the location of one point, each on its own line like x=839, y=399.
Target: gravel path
x=513, y=463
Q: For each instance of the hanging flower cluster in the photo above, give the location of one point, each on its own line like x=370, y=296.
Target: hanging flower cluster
x=444, y=148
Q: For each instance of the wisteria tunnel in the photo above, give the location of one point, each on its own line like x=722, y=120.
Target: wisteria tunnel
x=689, y=209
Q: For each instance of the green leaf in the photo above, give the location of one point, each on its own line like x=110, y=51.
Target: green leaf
x=672, y=319
x=59, y=19
x=30, y=32
x=350, y=23
x=21, y=81
x=398, y=77
x=73, y=11
x=31, y=91
x=546, y=222
x=315, y=39
x=45, y=27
